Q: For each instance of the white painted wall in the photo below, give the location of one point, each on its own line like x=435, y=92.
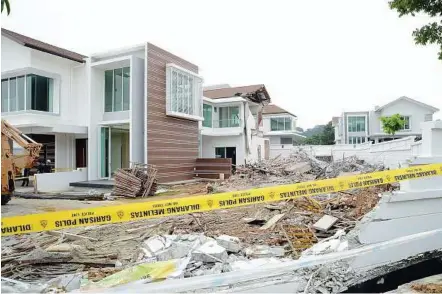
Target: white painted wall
x=14, y=55
x=137, y=122
x=65, y=151
x=58, y=182
x=210, y=143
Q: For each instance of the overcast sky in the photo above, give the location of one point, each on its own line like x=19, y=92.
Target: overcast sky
x=316, y=58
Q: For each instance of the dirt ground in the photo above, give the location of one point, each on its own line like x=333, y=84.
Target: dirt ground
x=21, y=206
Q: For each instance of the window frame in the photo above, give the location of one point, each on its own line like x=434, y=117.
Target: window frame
x=208, y=123
x=193, y=109
x=286, y=120
x=28, y=99
x=285, y=138
x=122, y=89
x=355, y=125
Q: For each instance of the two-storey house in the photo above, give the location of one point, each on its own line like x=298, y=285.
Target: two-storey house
x=44, y=95
x=231, y=125
x=279, y=126
x=363, y=126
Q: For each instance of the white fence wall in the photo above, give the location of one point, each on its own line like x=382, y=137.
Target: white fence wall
x=57, y=182
x=392, y=154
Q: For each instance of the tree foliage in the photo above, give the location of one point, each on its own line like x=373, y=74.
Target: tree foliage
x=430, y=33
x=5, y=4
x=326, y=137
x=392, y=124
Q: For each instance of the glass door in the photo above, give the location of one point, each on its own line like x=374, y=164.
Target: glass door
x=105, y=151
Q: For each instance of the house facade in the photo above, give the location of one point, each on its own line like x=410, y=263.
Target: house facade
x=39, y=97
x=232, y=125
x=364, y=126
x=279, y=126
x=103, y=111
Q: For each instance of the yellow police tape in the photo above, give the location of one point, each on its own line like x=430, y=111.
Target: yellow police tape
x=154, y=209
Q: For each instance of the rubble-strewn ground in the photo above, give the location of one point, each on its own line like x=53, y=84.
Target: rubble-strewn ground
x=266, y=231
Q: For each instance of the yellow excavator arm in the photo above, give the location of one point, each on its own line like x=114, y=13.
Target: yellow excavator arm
x=11, y=162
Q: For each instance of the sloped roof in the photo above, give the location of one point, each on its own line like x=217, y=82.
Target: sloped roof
x=404, y=98
x=275, y=109
x=42, y=46
x=231, y=92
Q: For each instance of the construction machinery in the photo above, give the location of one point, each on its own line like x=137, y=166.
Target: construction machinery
x=12, y=162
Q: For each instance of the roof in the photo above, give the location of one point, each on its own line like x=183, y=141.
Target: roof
x=404, y=98
x=275, y=109
x=238, y=91
x=42, y=46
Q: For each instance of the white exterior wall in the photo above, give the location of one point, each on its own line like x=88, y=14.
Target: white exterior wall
x=137, y=122
x=64, y=151
x=14, y=55
x=416, y=112
x=210, y=143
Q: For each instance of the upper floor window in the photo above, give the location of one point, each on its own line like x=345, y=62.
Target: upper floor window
x=183, y=95
x=117, y=89
x=207, y=114
x=281, y=124
x=228, y=117
x=429, y=117
x=407, y=125
x=356, y=123
x=27, y=92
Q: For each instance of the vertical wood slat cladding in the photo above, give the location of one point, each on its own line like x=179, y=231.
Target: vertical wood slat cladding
x=162, y=129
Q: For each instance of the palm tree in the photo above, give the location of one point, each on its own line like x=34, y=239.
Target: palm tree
x=8, y=7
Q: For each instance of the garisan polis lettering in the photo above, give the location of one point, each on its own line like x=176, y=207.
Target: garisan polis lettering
x=243, y=200
x=17, y=229
x=366, y=183
x=83, y=221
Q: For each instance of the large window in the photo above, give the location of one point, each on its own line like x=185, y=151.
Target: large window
x=285, y=141
x=356, y=123
x=184, y=96
x=27, y=92
x=116, y=89
x=207, y=114
x=281, y=124
x=228, y=117
x=356, y=140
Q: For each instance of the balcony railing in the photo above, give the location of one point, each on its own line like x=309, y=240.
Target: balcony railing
x=227, y=123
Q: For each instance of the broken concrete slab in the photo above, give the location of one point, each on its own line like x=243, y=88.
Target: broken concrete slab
x=232, y=244
x=210, y=252
x=66, y=282
x=175, y=251
x=271, y=222
x=63, y=247
x=260, y=251
x=325, y=223
x=300, y=167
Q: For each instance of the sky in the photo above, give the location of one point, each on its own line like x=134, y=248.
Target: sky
x=316, y=58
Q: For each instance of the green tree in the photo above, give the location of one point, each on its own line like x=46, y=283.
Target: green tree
x=5, y=3
x=326, y=137
x=392, y=124
x=430, y=33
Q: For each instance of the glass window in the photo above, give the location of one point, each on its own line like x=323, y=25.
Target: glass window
x=229, y=117
x=207, y=114
x=5, y=96
x=356, y=123
x=287, y=141
x=126, y=88
x=39, y=93
x=117, y=89
x=406, y=122
x=281, y=124
x=220, y=152
x=356, y=140
x=183, y=92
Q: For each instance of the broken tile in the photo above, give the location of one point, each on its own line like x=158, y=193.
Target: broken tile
x=325, y=223
x=260, y=251
x=271, y=222
x=232, y=244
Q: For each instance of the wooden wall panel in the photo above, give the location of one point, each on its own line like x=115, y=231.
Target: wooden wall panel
x=172, y=143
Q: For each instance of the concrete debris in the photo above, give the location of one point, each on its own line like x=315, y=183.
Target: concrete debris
x=255, y=263
x=210, y=252
x=65, y=283
x=232, y=244
x=325, y=223
x=272, y=222
x=262, y=251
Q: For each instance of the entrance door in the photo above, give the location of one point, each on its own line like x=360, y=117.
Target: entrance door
x=81, y=153
x=227, y=152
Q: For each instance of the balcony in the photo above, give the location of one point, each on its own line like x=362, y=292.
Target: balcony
x=223, y=127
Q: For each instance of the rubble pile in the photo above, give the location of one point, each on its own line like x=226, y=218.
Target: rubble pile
x=138, y=181
x=298, y=167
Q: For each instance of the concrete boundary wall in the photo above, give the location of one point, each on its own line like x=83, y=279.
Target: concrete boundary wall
x=393, y=154
x=57, y=182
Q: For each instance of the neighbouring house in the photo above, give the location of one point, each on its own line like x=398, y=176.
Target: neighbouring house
x=39, y=97
x=363, y=126
x=279, y=125
x=232, y=125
